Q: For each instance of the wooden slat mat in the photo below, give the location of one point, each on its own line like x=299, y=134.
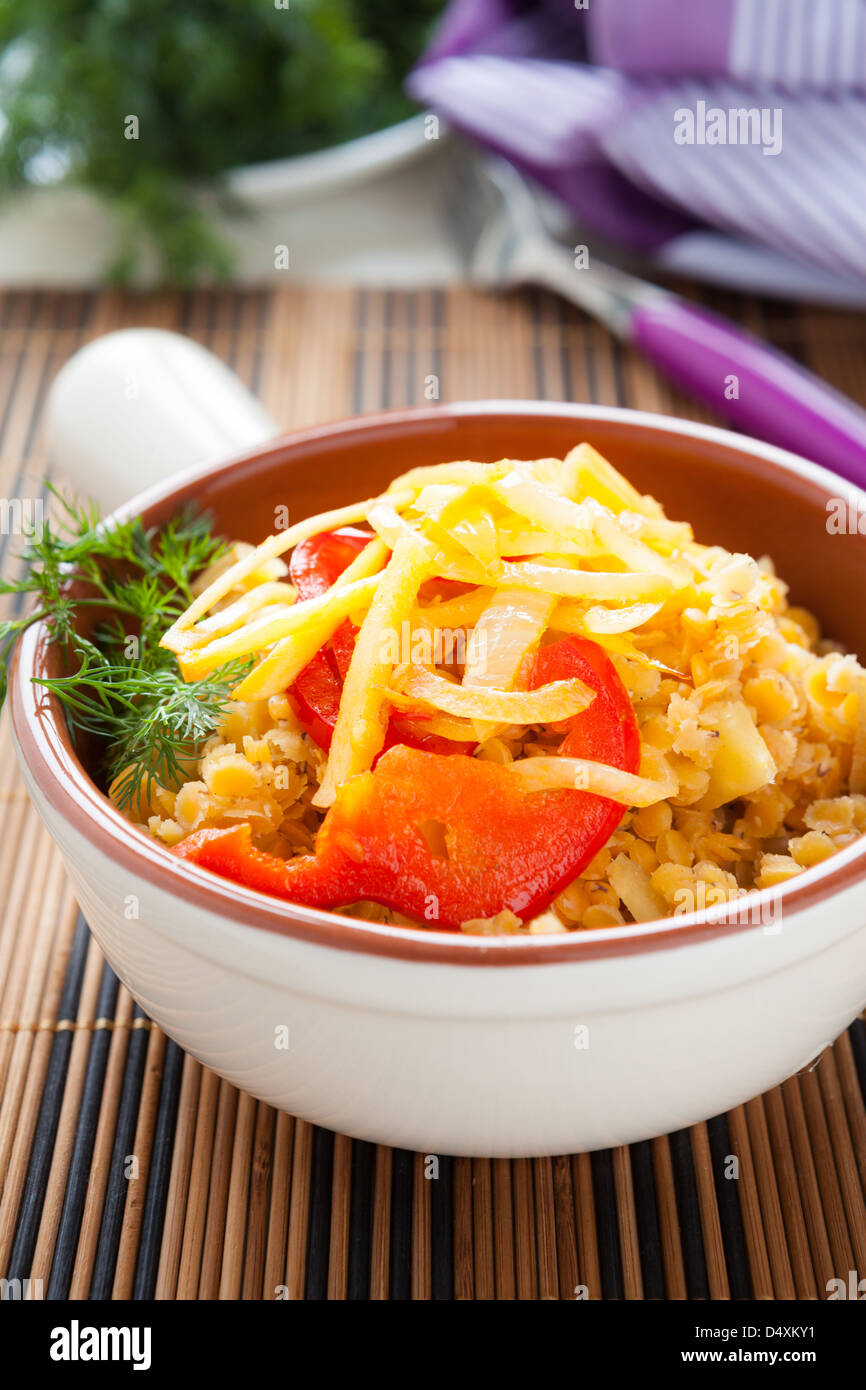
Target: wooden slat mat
x=129, y=1171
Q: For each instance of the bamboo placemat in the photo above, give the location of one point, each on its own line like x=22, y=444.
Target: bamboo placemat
x=127, y=1170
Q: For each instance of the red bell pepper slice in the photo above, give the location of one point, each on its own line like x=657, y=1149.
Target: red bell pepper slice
x=446, y=839
x=316, y=698
x=607, y=731
x=315, y=565
x=318, y=562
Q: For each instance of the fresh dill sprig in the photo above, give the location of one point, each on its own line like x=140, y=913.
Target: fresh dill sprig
x=141, y=576
x=151, y=721
x=122, y=686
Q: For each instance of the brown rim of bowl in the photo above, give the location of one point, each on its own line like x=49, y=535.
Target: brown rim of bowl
x=46, y=750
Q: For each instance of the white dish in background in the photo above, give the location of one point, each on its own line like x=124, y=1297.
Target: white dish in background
x=364, y=212
x=338, y=166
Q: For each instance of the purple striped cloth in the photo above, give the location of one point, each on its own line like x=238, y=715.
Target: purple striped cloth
x=726, y=140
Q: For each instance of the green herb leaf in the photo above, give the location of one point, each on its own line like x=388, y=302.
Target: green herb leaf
x=125, y=689
x=151, y=721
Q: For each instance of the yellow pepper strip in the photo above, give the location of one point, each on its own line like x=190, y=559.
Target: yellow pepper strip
x=545, y=508
x=275, y=545
x=324, y=613
x=268, y=594
x=599, y=479
x=359, y=733
x=463, y=473
x=462, y=611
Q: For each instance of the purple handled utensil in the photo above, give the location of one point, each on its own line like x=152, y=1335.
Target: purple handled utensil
x=498, y=225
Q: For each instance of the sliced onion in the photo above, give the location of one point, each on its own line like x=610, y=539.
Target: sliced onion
x=547, y=705
x=571, y=583
x=602, y=619
x=656, y=782
x=511, y=625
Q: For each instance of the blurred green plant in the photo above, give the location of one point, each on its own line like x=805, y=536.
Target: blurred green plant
x=212, y=84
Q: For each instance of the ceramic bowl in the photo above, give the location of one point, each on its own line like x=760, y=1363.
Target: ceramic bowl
x=458, y=1044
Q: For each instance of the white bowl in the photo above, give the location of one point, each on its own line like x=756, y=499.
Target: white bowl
x=452, y=1044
